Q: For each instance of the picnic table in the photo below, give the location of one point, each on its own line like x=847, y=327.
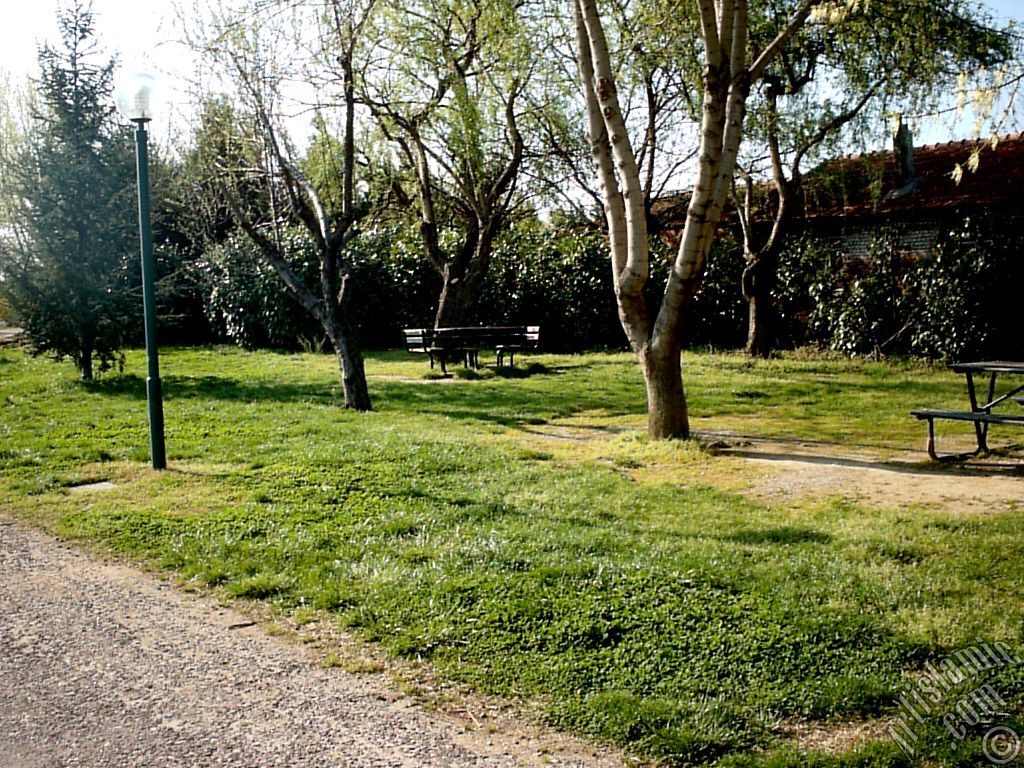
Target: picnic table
x=980, y=414
x=463, y=345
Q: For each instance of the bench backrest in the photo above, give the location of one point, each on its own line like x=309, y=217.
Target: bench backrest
x=482, y=337
x=418, y=339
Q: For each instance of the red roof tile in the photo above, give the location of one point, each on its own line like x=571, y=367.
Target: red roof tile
x=997, y=183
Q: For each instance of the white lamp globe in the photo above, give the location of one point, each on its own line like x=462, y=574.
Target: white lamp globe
x=136, y=97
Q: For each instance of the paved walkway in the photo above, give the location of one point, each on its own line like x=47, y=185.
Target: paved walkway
x=101, y=665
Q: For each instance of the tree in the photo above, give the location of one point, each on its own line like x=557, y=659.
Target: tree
x=254, y=166
x=737, y=56
x=727, y=78
x=67, y=186
x=888, y=58
x=447, y=97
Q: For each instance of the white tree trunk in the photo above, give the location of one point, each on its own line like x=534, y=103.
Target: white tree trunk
x=727, y=82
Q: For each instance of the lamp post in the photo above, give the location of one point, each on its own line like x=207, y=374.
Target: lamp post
x=134, y=102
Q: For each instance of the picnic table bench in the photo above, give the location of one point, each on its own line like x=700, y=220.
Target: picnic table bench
x=980, y=413
x=445, y=345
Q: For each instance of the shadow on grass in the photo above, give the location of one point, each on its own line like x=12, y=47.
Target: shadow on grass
x=775, y=536
x=952, y=467
x=509, y=400
x=217, y=388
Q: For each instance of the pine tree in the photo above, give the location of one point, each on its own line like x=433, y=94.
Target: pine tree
x=70, y=195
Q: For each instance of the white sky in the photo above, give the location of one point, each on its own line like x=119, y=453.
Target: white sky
x=143, y=35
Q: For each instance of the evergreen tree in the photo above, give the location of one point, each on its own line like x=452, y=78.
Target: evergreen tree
x=69, y=187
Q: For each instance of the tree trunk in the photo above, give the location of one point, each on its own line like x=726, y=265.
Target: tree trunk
x=758, y=333
x=758, y=281
x=462, y=284
x=667, y=415
x=350, y=361
x=454, y=303
x=84, y=363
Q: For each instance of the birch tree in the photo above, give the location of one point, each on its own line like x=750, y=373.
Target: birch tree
x=737, y=54
x=728, y=73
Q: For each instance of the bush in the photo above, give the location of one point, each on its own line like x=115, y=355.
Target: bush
x=719, y=315
x=968, y=292
x=395, y=285
x=873, y=306
x=560, y=280
x=956, y=302
x=244, y=300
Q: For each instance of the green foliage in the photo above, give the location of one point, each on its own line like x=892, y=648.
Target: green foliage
x=398, y=288
x=68, y=270
x=243, y=298
x=875, y=303
x=956, y=302
x=245, y=304
x=558, y=279
x=806, y=290
x=968, y=291
x=719, y=315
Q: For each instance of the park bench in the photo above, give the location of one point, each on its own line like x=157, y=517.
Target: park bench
x=981, y=412
x=445, y=345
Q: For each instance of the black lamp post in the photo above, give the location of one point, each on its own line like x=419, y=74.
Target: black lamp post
x=134, y=101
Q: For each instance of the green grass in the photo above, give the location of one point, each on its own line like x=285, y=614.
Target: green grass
x=620, y=582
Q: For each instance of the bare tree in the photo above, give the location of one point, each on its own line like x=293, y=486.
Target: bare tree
x=447, y=98
x=254, y=164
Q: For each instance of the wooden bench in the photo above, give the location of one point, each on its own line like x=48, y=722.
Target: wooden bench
x=979, y=418
x=445, y=345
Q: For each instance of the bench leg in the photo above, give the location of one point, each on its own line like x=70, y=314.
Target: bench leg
x=933, y=454
x=931, y=441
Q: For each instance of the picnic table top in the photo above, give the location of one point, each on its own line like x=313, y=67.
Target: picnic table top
x=991, y=366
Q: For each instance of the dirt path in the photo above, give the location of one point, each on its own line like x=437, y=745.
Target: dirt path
x=785, y=471
x=793, y=470
x=101, y=665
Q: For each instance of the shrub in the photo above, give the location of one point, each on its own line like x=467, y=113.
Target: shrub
x=872, y=308
x=955, y=302
x=558, y=279
x=719, y=316
x=968, y=289
x=244, y=300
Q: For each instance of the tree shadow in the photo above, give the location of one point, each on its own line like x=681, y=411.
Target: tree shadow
x=785, y=535
x=518, y=407
x=521, y=401
x=217, y=388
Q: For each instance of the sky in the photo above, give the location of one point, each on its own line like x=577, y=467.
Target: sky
x=145, y=35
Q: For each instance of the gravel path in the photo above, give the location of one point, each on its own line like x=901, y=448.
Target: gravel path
x=101, y=665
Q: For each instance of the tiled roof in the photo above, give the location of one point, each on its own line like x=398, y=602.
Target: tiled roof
x=855, y=189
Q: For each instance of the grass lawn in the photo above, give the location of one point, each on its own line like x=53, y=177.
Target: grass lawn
x=630, y=587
